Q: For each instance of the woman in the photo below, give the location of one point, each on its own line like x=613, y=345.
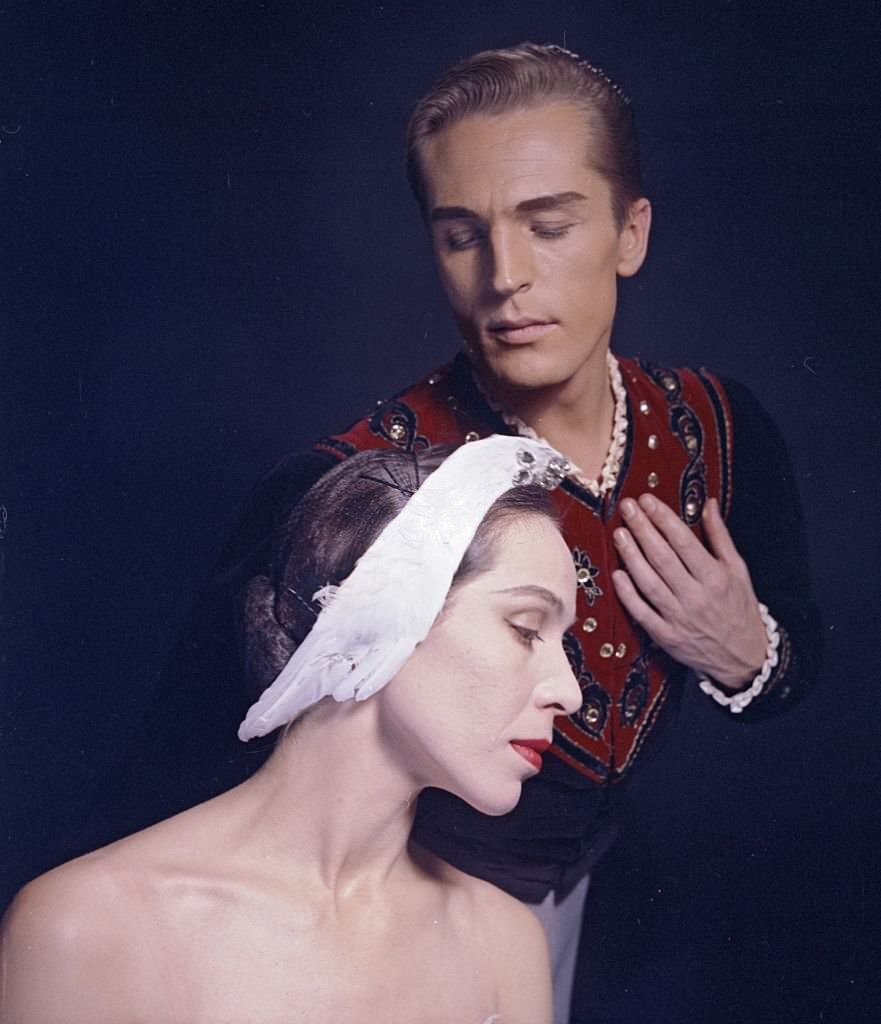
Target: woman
x=296, y=896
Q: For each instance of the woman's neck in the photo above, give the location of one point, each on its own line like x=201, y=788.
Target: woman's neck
x=331, y=801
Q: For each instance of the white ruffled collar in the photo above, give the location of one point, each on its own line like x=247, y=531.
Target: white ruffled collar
x=612, y=465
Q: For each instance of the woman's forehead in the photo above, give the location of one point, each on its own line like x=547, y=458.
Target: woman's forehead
x=529, y=551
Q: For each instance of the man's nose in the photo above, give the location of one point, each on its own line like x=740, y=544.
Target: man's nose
x=511, y=257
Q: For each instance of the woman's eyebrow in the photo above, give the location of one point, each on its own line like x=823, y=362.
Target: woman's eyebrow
x=534, y=590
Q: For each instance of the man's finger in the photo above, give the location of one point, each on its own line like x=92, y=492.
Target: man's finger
x=717, y=533
x=640, y=611
x=692, y=553
x=650, y=583
x=662, y=557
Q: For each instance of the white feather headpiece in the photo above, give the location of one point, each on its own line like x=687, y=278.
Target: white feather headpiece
x=370, y=625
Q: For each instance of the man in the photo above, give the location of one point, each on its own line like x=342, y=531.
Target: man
x=525, y=166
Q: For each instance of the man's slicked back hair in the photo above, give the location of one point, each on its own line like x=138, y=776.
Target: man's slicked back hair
x=523, y=77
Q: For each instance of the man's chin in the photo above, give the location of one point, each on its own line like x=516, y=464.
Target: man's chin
x=519, y=372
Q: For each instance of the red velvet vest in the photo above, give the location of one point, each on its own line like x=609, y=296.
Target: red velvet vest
x=678, y=448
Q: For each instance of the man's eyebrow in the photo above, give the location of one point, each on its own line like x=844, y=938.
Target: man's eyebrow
x=452, y=213
x=551, y=202
x=536, y=205
x=534, y=590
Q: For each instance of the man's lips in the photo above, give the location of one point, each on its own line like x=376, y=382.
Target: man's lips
x=521, y=331
x=531, y=750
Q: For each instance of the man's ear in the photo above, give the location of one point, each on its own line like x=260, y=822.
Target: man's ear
x=633, y=241
x=267, y=647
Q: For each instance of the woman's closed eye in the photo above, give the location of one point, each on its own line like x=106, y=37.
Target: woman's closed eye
x=527, y=636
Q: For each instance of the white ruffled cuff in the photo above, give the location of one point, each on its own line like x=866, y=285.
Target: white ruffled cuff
x=738, y=701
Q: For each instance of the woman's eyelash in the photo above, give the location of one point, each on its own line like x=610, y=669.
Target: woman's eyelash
x=528, y=636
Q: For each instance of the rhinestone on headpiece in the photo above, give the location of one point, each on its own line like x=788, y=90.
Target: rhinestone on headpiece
x=557, y=471
x=548, y=476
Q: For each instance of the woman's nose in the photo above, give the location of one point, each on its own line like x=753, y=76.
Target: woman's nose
x=570, y=699
x=560, y=687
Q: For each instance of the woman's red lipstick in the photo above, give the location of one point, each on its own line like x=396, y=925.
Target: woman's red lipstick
x=531, y=751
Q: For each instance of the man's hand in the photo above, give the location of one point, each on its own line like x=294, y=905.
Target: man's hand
x=698, y=605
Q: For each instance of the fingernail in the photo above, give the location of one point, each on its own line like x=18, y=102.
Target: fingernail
x=648, y=502
x=628, y=508
x=621, y=537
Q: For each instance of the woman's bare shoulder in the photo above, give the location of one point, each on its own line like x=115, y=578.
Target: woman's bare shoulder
x=68, y=900
x=506, y=921
x=518, y=950
x=514, y=941
x=64, y=936
x=94, y=926
x=117, y=876
x=496, y=910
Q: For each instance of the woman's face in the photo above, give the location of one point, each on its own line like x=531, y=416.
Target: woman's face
x=491, y=672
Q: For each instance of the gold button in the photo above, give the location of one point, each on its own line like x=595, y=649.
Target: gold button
x=606, y=651
x=472, y=435
x=653, y=441
x=592, y=715
x=653, y=479
x=691, y=509
x=620, y=650
x=397, y=431
x=644, y=407
x=691, y=443
x=669, y=384
x=589, y=625
x=582, y=575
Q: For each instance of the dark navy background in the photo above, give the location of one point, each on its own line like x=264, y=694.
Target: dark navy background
x=209, y=256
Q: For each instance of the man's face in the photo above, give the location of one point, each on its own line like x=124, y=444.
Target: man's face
x=526, y=244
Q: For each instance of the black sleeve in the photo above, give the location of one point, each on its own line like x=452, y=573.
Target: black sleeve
x=186, y=749
x=768, y=529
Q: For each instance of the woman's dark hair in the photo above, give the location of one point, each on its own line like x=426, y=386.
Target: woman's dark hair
x=526, y=76
x=329, y=529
